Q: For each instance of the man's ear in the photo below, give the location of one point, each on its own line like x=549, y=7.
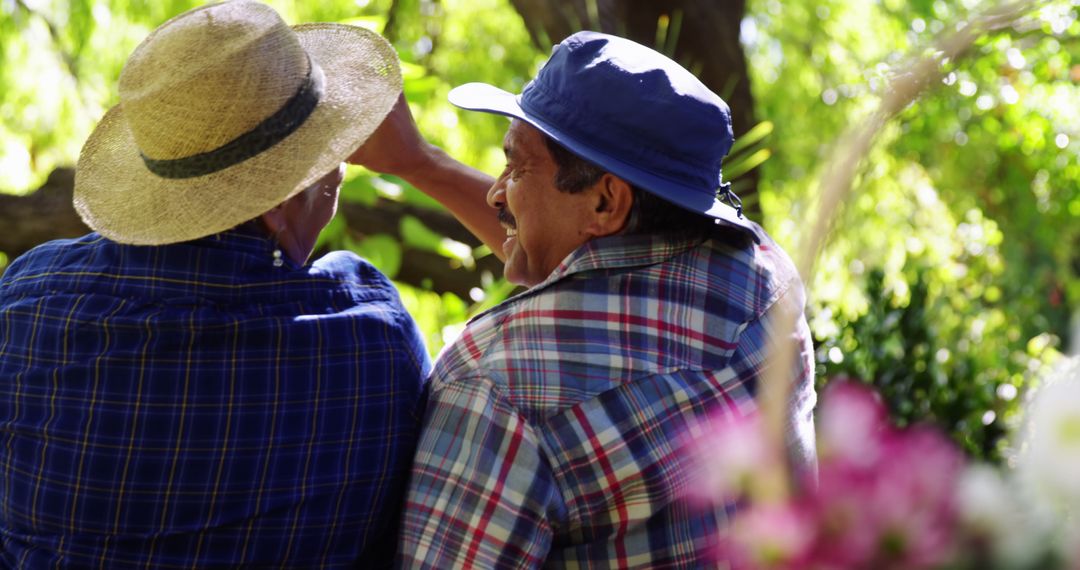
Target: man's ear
x=274, y=220
x=613, y=199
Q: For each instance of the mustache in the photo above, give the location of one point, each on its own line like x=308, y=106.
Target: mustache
x=506, y=218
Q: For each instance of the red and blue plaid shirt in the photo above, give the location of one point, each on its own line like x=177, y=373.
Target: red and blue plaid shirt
x=191, y=405
x=557, y=424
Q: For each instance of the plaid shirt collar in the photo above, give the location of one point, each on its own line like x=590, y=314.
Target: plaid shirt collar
x=246, y=239
x=619, y=251
x=629, y=250
x=606, y=253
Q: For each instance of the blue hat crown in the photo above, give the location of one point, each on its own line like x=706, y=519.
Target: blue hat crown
x=636, y=113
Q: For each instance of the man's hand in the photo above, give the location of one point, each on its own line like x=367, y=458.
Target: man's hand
x=396, y=147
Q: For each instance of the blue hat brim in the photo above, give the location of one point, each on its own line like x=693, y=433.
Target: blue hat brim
x=490, y=99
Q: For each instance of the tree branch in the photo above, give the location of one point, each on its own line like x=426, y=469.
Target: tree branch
x=54, y=32
x=48, y=214
x=43, y=215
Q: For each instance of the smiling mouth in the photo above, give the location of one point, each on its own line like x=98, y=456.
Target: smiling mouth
x=508, y=222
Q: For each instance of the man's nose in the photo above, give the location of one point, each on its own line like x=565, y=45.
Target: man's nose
x=496, y=196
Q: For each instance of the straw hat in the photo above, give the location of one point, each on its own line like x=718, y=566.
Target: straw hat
x=225, y=112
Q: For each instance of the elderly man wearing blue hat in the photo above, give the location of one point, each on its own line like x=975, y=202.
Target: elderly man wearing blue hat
x=559, y=423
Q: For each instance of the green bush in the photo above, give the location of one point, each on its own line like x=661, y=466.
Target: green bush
x=966, y=372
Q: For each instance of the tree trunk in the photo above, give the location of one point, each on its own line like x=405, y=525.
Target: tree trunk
x=702, y=35
x=46, y=214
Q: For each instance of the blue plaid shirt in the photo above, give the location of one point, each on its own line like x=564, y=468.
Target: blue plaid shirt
x=191, y=405
x=559, y=424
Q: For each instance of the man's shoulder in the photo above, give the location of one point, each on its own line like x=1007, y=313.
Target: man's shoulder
x=344, y=262
x=353, y=272
x=551, y=347
x=681, y=310
x=754, y=275
x=46, y=259
x=731, y=268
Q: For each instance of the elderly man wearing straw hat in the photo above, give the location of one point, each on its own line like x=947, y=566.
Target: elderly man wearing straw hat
x=557, y=427
x=180, y=388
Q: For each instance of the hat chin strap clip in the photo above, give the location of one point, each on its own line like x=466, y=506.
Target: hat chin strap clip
x=726, y=194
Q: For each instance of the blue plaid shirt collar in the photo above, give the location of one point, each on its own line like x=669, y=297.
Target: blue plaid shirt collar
x=244, y=239
x=247, y=239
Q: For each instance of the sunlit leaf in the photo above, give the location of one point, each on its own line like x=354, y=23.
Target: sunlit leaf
x=415, y=234
x=383, y=251
x=751, y=137
x=359, y=189
x=746, y=164
x=373, y=23
x=333, y=233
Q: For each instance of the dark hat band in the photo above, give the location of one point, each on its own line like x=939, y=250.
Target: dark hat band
x=266, y=134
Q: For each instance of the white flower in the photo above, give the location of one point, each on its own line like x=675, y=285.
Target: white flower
x=1049, y=461
x=992, y=513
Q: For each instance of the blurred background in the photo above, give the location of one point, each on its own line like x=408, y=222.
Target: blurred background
x=951, y=277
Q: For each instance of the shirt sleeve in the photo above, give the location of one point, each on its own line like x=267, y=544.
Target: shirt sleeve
x=784, y=323
x=480, y=488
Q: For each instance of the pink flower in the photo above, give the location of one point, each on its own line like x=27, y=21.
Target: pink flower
x=850, y=422
x=885, y=497
x=885, y=501
x=770, y=536
x=733, y=452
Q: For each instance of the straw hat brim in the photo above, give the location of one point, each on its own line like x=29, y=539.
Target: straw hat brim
x=119, y=197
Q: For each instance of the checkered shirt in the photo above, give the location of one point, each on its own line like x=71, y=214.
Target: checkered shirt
x=557, y=427
x=193, y=406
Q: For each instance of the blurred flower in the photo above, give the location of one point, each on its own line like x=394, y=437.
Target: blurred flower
x=895, y=512
x=1049, y=460
x=734, y=452
x=995, y=522
x=850, y=421
x=771, y=536
x=891, y=498
x=885, y=497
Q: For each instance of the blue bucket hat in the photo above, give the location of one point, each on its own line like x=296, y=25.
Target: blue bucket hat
x=633, y=112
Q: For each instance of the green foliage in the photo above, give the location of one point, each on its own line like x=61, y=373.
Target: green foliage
x=441, y=318
x=1004, y=147
x=904, y=346
x=949, y=277
x=471, y=40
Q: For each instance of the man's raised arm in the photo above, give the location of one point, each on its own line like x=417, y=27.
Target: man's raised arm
x=397, y=148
